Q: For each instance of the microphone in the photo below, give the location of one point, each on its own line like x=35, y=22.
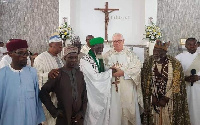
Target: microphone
x=193, y=72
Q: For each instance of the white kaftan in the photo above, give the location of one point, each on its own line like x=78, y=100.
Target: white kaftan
x=98, y=87
x=44, y=63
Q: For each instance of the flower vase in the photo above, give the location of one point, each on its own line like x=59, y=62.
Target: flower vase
x=64, y=42
x=151, y=47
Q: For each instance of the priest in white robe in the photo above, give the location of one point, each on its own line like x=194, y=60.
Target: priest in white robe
x=47, y=64
x=98, y=85
x=190, y=61
x=126, y=95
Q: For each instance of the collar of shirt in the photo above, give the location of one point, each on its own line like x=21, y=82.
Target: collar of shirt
x=190, y=54
x=15, y=70
x=121, y=52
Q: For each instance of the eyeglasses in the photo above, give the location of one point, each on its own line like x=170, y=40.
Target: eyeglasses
x=117, y=41
x=22, y=53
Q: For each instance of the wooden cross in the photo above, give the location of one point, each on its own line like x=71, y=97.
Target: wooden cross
x=106, y=11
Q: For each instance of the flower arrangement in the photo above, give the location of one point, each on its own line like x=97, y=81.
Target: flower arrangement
x=65, y=31
x=153, y=32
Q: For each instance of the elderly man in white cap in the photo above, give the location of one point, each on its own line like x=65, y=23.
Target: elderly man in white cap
x=47, y=64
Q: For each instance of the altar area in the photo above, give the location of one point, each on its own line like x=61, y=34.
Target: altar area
x=104, y=18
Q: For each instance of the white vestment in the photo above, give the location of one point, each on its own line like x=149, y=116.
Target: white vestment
x=124, y=109
x=44, y=63
x=98, y=87
x=85, y=49
x=193, y=92
x=6, y=60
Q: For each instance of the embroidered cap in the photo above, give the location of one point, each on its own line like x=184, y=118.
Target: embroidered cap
x=95, y=41
x=69, y=49
x=55, y=38
x=162, y=45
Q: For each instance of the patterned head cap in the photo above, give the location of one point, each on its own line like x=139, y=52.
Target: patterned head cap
x=55, y=38
x=69, y=49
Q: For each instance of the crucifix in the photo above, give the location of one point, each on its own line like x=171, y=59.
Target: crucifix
x=106, y=11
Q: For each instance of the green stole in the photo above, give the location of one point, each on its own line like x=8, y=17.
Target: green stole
x=100, y=65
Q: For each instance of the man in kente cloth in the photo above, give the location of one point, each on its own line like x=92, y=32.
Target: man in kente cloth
x=164, y=89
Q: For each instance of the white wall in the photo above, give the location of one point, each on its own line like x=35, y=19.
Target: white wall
x=64, y=10
x=150, y=10
x=129, y=20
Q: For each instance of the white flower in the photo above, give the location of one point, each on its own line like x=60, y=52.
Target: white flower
x=153, y=32
x=152, y=37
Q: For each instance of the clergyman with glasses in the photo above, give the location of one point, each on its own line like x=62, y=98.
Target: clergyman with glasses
x=19, y=102
x=126, y=94
x=6, y=60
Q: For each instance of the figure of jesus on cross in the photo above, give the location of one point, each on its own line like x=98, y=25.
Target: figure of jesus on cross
x=106, y=11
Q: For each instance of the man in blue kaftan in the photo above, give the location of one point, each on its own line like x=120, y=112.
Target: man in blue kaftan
x=19, y=102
